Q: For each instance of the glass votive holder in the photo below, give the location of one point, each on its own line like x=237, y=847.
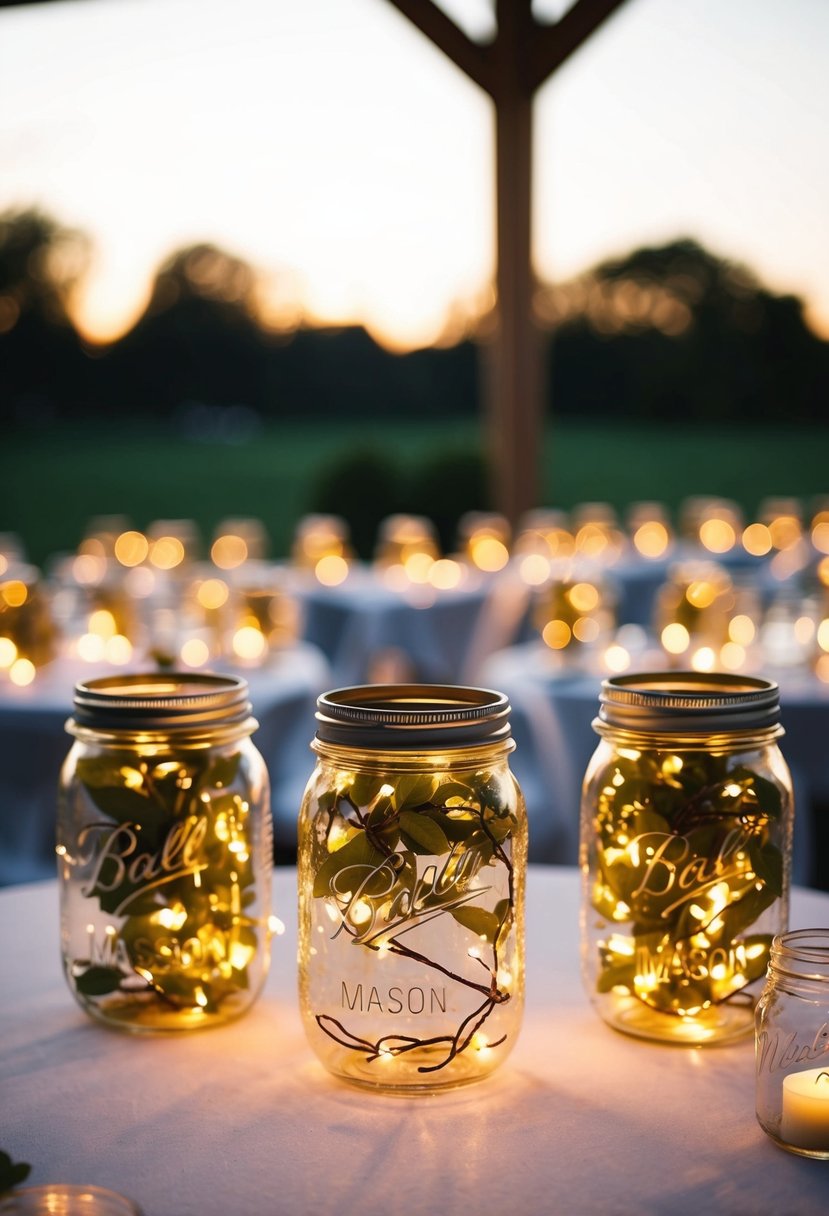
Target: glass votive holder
x=792, y=1044
x=57, y=1199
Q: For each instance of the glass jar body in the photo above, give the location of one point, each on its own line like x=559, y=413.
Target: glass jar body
x=792, y=1044
x=685, y=858
x=165, y=857
x=412, y=872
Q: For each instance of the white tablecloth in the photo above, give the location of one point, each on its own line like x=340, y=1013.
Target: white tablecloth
x=370, y=630
x=242, y=1121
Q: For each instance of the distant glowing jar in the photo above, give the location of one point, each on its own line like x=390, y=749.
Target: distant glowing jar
x=412, y=863
x=686, y=830
x=165, y=854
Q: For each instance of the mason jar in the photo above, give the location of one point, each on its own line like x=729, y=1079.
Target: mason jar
x=792, y=1044
x=686, y=831
x=164, y=842
x=412, y=864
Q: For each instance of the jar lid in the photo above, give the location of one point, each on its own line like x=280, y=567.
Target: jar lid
x=689, y=701
x=160, y=701
x=412, y=716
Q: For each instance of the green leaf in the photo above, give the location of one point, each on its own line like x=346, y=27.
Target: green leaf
x=412, y=789
x=756, y=967
x=425, y=832
x=98, y=981
x=358, y=852
x=767, y=863
x=364, y=788
x=456, y=826
x=453, y=789
x=767, y=793
x=503, y=914
x=413, y=847
x=482, y=923
x=12, y=1173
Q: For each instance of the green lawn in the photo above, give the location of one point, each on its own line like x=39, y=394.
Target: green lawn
x=53, y=482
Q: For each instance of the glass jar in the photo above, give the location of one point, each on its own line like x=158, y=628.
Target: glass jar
x=792, y=1044
x=412, y=863
x=60, y=1199
x=165, y=852
x=686, y=830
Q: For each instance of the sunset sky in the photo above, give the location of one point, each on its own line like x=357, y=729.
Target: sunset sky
x=327, y=142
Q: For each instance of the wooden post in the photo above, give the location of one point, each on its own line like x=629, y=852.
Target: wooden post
x=514, y=390
x=510, y=70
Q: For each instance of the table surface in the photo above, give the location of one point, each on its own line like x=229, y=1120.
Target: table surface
x=242, y=1120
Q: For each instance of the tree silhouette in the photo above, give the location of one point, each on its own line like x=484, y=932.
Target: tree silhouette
x=198, y=339
x=674, y=333
x=42, y=365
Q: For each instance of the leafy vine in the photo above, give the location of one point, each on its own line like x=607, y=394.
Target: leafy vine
x=370, y=835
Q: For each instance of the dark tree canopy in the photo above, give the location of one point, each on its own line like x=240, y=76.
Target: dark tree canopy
x=666, y=334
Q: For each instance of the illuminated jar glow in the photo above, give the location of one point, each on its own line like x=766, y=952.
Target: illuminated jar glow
x=792, y=1044
x=686, y=829
x=412, y=864
x=165, y=854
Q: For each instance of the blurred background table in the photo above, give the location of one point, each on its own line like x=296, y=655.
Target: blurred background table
x=242, y=1119
x=369, y=629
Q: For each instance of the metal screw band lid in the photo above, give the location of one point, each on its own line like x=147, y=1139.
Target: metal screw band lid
x=689, y=701
x=412, y=716
x=161, y=701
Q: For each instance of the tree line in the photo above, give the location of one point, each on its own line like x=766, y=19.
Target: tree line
x=669, y=334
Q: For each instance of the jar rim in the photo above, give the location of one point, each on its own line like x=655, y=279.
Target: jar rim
x=160, y=701
x=412, y=716
x=803, y=945
x=689, y=701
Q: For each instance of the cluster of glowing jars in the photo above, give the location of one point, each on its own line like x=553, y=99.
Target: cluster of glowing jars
x=693, y=614
x=164, y=842
x=686, y=832
x=484, y=541
x=779, y=531
x=28, y=638
x=148, y=592
x=574, y=614
x=407, y=556
x=322, y=546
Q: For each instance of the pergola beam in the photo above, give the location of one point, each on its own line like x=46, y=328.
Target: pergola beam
x=471, y=57
x=552, y=44
x=510, y=69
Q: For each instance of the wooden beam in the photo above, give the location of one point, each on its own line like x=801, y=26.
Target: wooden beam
x=514, y=392
x=471, y=57
x=553, y=44
x=514, y=397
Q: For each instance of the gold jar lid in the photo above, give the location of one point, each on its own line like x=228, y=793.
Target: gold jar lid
x=412, y=716
x=689, y=701
x=160, y=701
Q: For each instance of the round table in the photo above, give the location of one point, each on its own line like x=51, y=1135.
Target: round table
x=241, y=1119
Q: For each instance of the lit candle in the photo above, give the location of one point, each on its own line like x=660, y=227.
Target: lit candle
x=805, y=1120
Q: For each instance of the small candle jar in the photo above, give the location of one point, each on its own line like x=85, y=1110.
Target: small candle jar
x=412, y=861
x=164, y=845
x=686, y=830
x=792, y=1044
